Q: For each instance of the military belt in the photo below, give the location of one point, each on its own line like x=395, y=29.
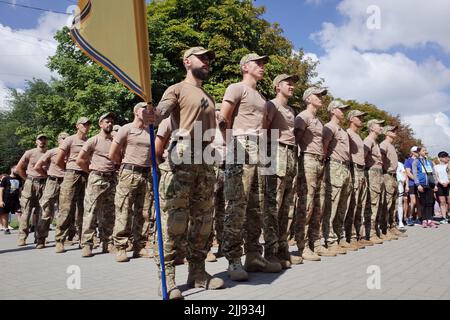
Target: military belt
x=344, y=163
x=358, y=166
x=81, y=172
x=103, y=173
x=58, y=179
x=311, y=155
x=379, y=170
x=40, y=180
x=284, y=145
x=139, y=169
x=392, y=174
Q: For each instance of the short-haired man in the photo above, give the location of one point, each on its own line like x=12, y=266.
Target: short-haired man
x=243, y=112
x=310, y=188
x=374, y=175
x=71, y=194
x=280, y=116
x=33, y=187
x=338, y=180
x=50, y=196
x=100, y=188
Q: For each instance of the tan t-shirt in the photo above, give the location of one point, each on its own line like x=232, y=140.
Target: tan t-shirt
x=72, y=146
x=97, y=148
x=30, y=158
x=187, y=105
x=338, y=141
x=49, y=159
x=165, y=132
x=282, y=118
x=389, y=156
x=249, y=111
x=356, y=148
x=311, y=141
x=373, y=158
x=135, y=143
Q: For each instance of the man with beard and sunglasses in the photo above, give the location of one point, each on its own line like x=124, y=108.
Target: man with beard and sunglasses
x=100, y=188
x=187, y=180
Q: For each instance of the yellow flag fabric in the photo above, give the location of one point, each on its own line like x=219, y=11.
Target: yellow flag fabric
x=114, y=34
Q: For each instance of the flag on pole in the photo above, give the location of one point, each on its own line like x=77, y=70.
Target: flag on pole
x=114, y=34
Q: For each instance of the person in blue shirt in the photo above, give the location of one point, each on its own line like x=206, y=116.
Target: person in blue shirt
x=413, y=214
x=425, y=182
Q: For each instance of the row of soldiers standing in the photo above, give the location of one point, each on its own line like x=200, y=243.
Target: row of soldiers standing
x=339, y=182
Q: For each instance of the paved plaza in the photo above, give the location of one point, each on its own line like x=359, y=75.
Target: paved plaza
x=413, y=268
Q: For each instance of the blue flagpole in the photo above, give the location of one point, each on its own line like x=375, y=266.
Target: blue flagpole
x=158, y=214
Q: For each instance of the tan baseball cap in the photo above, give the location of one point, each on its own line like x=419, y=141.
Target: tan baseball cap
x=83, y=120
x=370, y=123
x=198, y=51
x=41, y=136
x=283, y=77
x=355, y=113
x=253, y=57
x=336, y=104
x=314, y=90
x=139, y=105
x=106, y=115
x=63, y=135
x=388, y=128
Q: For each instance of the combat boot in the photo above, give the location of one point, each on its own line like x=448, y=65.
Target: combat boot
x=347, y=246
x=140, y=252
x=199, y=278
x=236, y=271
x=59, y=248
x=376, y=240
x=254, y=262
x=365, y=242
x=40, y=244
x=121, y=256
x=335, y=248
x=87, y=252
x=211, y=257
x=385, y=237
x=324, y=252
x=173, y=293
x=284, y=258
x=21, y=243
x=356, y=244
x=398, y=233
x=129, y=247
x=309, y=255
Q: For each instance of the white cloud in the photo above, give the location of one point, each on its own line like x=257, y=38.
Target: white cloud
x=403, y=23
x=24, y=52
x=433, y=129
x=357, y=63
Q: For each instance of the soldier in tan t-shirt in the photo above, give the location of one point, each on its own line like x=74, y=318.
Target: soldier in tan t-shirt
x=131, y=150
x=338, y=180
x=374, y=175
x=32, y=189
x=186, y=187
x=71, y=195
x=390, y=194
x=310, y=188
x=50, y=196
x=243, y=114
x=280, y=191
x=100, y=188
x=358, y=199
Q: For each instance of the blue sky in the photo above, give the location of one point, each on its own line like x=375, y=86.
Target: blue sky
x=403, y=66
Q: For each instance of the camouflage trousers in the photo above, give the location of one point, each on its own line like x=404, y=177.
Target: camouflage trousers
x=390, y=195
x=279, y=196
x=187, y=211
x=354, y=216
x=29, y=200
x=373, y=205
x=338, y=189
x=132, y=218
x=311, y=196
x=48, y=201
x=71, y=197
x=219, y=205
x=99, y=206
